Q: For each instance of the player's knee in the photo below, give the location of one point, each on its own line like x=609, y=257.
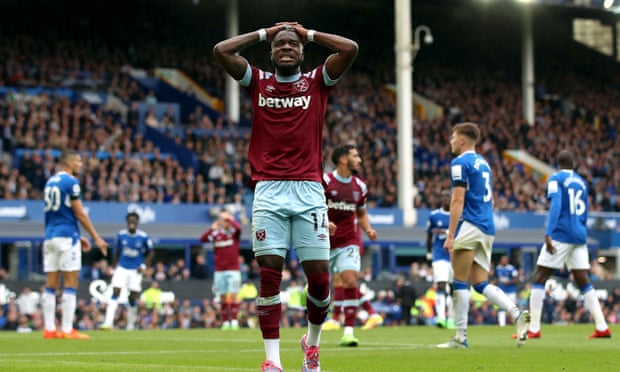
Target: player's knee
x=270, y=280
x=318, y=285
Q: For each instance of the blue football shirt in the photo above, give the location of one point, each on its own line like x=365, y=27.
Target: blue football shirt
x=60, y=221
x=439, y=219
x=568, y=213
x=471, y=170
x=133, y=248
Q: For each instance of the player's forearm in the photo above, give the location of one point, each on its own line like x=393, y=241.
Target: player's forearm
x=149, y=258
x=225, y=52
x=456, y=210
x=87, y=224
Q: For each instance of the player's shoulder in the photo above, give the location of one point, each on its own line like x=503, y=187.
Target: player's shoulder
x=328, y=177
x=435, y=212
x=142, y=233
x=360, y=183
x=123, y=232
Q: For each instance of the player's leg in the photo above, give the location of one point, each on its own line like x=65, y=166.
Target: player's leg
x=337, y=297
x=70, y=266
x=271, y=231
x=349, y=306
x=225, y=311
x=112, y=305
x=579, y=264
x=374, y=319
x=134, y=286
x=311, y=240
x=462, y=258
x=537, y=296
x=52, y=280
x=220, y=290
x=441, y=275
x=449, y=306
x=233, y=294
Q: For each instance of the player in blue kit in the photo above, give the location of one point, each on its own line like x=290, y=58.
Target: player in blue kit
x=134, y=253
x=566, y=243
x=62, y=247
x=437, y=229
x=507, y=278
x=471, y=234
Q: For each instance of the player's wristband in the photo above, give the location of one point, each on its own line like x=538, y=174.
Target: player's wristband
x=262, y=34
x=310, y=35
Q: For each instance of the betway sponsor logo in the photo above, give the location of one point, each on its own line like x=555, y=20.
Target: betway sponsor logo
x=341, y=206
x=286, y=102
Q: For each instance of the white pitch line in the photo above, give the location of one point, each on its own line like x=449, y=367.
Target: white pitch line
x=134, y=365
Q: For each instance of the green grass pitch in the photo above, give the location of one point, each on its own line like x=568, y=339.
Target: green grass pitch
x=562, y=348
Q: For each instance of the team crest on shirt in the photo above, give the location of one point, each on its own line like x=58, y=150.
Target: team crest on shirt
x=261, y=235
x=356, y=196
x=301, y=85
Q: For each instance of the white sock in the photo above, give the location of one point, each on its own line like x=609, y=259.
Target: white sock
x=440, y=306
x=461, y=306
x=499, y=298
x=450, y=307
x=536, y=304
x=348, y=331
x=272, y=350
x=314, y=334
x=49, y=310
x=594, y=307
x=132, y=314
x=501, y=318
x=68, y=309
x=110, y=312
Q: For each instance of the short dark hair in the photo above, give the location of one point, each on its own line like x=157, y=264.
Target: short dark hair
x=340, y=151
x=469, y=130
x=67, y=155
x=566, y=159
x=132, y=214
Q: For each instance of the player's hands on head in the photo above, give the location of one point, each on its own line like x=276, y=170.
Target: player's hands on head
x=85, y=243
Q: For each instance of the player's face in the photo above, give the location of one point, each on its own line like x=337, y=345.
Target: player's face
x=132, y=223
x=287, y=52
x=445, y=200
x=354, y=160
x=76, y=163
x=455, y=143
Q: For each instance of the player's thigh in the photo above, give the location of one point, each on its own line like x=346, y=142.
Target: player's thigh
x=233, y=281
x=471, y=239
x=578, y=257
x=219, y=283
x=310, y=225
x=70, y=257
x=555, y=260
x=345, y=259
x=134, y=281
x=271, y=233
x=51, y=255
x=442, y=271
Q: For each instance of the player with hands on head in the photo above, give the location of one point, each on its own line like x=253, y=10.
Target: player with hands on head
x=346, y=196
x=285, y=155
x=436, y=232
x=566, y=243
x=134, y=254
x=63, y=245
x=225, y=234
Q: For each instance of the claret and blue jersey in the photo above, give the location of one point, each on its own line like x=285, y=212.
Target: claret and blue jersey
x=471, y=170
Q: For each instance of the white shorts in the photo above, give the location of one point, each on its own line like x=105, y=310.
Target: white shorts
x=472, y=238
x=442, y=271
x=127, y=278
x=575, y=256
x=62, y=254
